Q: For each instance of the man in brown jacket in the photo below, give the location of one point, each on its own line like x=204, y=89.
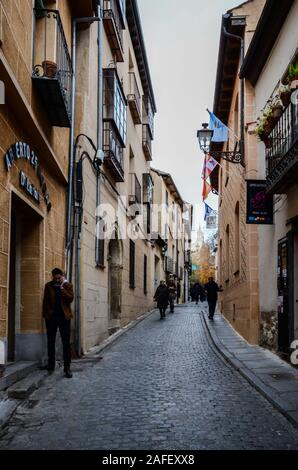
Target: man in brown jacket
x=58, y=295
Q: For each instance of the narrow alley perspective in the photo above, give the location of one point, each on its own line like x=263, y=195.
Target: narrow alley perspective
x=148, y=232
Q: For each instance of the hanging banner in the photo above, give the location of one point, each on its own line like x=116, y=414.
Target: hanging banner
x=259, y=203
x=208, y=211
x=209, y=165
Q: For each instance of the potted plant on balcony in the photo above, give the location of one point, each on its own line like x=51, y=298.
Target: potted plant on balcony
x=261, y=132
x=277, y=107
x=293, y=76
x=49, y=68
x=268, y=119
x=284, y=94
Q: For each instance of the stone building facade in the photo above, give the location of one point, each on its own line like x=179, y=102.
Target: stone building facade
x=116, y=279
x=238, y=242
x=34, y=146
x=172, y=222
x=267, y=71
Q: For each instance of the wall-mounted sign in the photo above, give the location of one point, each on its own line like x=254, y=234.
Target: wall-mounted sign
x=259, y=203
x=21, y=150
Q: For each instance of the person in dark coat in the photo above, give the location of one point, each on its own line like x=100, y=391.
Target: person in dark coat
x=162, y=298
x=58, y=296
x=212, y=289
x=202, y=295
x=197, y=291
x=172, y=287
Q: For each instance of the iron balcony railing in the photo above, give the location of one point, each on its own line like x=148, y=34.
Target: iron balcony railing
x=52, y=66
x=113, y=151
x=135, y=189
x=114, y=24
x=147, y=143
x=282, y=152
x=134, y=99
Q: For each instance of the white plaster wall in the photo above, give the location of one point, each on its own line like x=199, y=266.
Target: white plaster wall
x=287, y=207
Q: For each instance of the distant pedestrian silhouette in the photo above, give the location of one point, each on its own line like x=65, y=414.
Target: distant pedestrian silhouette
x=212, y=290
x=162, y=298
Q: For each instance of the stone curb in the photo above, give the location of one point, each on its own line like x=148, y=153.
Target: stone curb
x=23, y=389
x=273, y=397
x=95, y=351
x=7, y=408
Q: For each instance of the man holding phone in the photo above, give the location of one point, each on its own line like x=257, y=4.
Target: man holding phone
x=58, y=296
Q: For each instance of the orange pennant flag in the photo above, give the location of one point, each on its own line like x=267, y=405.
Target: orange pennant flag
x=207, y=188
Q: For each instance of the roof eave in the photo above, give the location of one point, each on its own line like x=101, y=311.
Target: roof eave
x=268, y=28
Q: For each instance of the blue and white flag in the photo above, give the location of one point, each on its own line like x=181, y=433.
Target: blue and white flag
x=208, y=211
x=220, y=130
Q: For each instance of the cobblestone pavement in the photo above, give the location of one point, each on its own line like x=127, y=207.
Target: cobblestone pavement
x=160, y=386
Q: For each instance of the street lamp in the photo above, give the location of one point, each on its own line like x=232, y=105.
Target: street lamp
x=205, y=137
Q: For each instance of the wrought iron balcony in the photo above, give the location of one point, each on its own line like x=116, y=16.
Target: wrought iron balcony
x=135, y=190
x=113, y=152
x=134, y=99
x=52, y=67
x=147, y=188
x=114, y=23
x=114, y=103
x=147, y=143
x=282, y=156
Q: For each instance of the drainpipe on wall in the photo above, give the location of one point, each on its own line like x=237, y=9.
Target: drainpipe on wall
x=99, y=127
x=242, y=90
x=72, y=215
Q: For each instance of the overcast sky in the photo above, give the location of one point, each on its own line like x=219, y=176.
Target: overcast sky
x=182, y=39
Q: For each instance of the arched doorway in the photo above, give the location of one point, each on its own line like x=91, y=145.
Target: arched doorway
x=115, y=284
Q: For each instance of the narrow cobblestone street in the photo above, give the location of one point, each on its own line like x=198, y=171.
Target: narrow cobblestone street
x=160, y=386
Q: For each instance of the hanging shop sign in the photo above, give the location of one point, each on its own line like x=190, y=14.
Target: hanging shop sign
x=259, y=203
x=21, y=150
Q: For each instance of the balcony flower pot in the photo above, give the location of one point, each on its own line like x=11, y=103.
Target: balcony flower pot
x=269, y=125
x=293, y=76
x=277, y=107
x=49, y=69
x=284, y=92
x=285, y=98
x=277, y=112
x=268, y=141
x=294, y=84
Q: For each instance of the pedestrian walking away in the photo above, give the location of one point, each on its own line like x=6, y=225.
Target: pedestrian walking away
x=58, y=296
x=172, y=292
x=212, y=290
x=162, y=298
x=198, y=291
